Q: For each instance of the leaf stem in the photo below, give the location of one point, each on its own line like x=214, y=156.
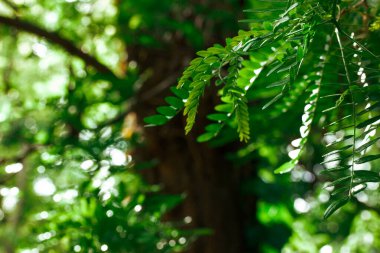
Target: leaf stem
x=353, y=109
x=335, y=3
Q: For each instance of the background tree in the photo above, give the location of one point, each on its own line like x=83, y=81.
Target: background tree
x=342, y=94
x=78, y=77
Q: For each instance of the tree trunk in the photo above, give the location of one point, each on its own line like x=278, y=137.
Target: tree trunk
x=209, y=181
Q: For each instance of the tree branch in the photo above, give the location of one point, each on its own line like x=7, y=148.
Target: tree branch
x=57, y=39
x=163, y=85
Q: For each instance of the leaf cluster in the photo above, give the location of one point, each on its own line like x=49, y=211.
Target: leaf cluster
x=309, y=47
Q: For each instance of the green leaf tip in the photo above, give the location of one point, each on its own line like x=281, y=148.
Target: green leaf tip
x=285, y=168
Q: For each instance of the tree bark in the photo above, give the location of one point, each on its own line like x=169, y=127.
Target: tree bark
x=209, y=181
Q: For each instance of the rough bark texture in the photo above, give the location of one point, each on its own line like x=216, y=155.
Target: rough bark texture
x=209, y=181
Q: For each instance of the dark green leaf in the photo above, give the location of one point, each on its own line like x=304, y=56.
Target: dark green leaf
x=368, y=158
x=367, y=145
x=339, y=181
x=362, y=176
x=224, y=108
x=368, y=122
x=217, y=117
x=359, y=189
x=156, y=120
x=334, y=206
x=285, y=168
x=335, y=169
x=372, y=107
x=181, y=93
x=213, y=128
x=274, y=100
x=167, y=111
x=175, y=102
x=206, y=137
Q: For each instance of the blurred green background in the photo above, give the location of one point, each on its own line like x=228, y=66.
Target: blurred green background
x=80, y=173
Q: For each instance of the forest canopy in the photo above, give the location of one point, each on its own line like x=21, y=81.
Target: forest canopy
x=189, y=126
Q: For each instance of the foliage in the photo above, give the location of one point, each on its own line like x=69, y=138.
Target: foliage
x=343, y=97
x=298, y=86
x=68, y=180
